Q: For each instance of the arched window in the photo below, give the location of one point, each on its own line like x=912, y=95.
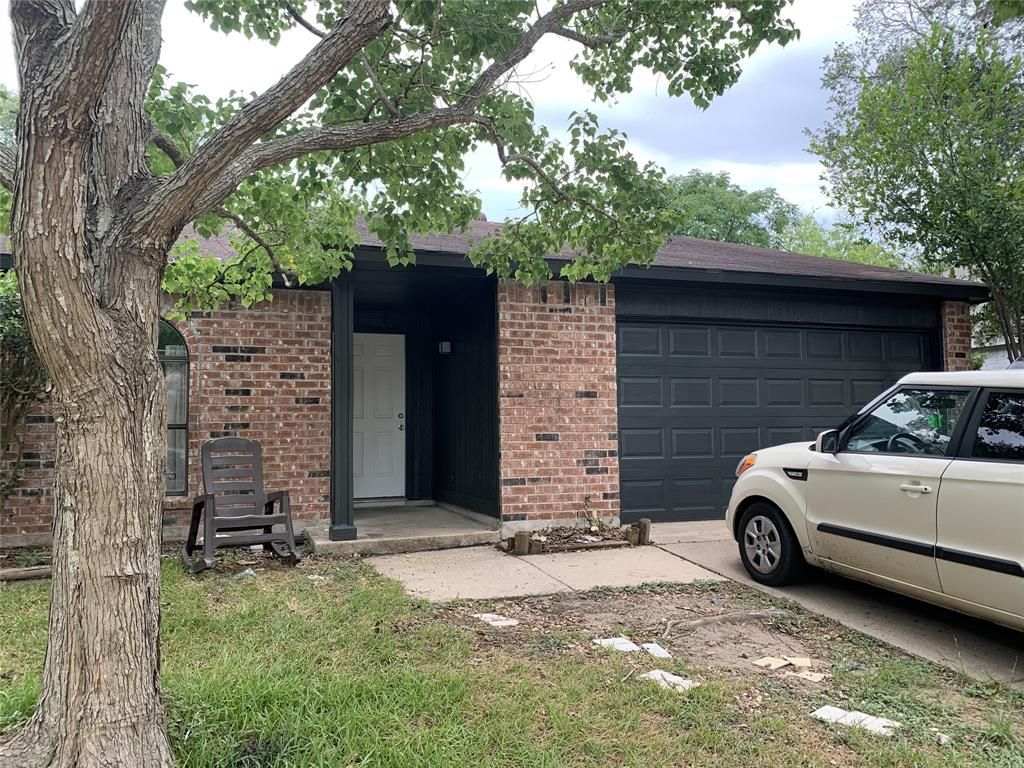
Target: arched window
x=173, y=356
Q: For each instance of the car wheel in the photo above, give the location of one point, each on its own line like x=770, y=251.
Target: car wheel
x=769, y=550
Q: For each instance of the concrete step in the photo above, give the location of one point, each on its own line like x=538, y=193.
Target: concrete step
x=395, y=545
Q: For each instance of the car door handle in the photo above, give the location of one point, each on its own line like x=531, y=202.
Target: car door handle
x=915, y=488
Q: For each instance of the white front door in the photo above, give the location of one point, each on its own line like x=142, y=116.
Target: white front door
x=378, y=418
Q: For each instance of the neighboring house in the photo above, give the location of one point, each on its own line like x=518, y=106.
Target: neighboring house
x=532, y=405
x=994, y=356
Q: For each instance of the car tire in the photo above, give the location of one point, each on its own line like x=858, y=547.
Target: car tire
x=768, y=547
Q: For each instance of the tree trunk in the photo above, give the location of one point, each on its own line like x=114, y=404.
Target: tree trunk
x=101, y=703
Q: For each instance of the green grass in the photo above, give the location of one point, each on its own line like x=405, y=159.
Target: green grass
x=282, y=671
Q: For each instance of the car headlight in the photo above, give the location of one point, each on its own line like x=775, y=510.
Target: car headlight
x=746, y=463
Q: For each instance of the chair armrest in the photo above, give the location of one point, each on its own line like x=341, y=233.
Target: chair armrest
x=203, y=500
x=276, y=496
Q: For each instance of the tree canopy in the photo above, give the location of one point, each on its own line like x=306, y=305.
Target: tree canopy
x=385, y=139
x=710, y=206
x=843, y=241
x=931, y=156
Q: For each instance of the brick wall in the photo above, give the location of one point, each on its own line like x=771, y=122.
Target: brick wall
x=557, y=403
x=956, y=335
x=262, y=373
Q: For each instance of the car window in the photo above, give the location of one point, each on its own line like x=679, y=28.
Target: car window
x=913, y=421
x=1000, y=434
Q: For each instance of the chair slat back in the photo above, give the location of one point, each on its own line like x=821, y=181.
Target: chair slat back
x=233, y=473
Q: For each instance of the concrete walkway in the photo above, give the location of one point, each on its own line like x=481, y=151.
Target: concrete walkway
x=478, y=573
x=979, y=649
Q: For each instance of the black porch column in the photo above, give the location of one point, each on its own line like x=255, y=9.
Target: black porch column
x=342, y=524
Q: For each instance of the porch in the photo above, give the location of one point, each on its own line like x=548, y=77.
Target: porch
x=408, y=527
x=414, y=418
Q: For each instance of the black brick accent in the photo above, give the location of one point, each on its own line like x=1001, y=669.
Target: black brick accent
x=535, y=480
x=588, y=462
x=511, y=481
x=307, y=400
x=548, y=437
x=959, y=354
x=543, y=294
x=319, y=473
x=597, y=470
x=613, y=436
x=594, y=453
x=29, y=492
x=515, y=394
x=236, y=408
x=237, y=392
x=587, y=393
x=222, y=433
x=36, y=418
x=237, y=358
x=604, y=295
x=222, y=349
x=236, y=425
x=513, y=518
x=291, y=375
x=610, y=495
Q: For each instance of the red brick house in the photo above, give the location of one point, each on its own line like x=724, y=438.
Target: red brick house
x=531, y=405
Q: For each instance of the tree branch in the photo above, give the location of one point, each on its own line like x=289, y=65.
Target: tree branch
x=177, y=195
x=83, y=62
x=255, y=236
x=294, y=13
x=388, y=104
x=590, y=41
x=166, y=144
x=328, y=137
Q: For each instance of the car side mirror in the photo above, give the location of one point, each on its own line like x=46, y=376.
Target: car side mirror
x=827, y=441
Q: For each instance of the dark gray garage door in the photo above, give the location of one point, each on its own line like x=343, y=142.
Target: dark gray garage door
x=694, y=398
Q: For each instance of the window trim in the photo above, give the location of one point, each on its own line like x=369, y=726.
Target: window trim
x=176, y=426
x=966, y=446
x=955, y=438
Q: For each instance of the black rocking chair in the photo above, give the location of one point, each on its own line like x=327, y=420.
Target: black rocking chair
x=236, y=503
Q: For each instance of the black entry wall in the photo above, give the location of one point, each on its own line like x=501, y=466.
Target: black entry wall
x=466, y=397
x=451, y=397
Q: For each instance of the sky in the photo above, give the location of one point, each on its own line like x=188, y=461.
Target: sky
x=755, y=131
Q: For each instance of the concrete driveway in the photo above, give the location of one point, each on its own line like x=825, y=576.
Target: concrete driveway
x=976, y=648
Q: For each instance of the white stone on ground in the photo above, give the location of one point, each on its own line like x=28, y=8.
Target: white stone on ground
x=496, y=619
x=771, y=662
x=879, y=725
x=670, y=681
x=623, y=644
x=656, y=650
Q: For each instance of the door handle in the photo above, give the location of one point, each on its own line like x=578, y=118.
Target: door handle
x=915, y=488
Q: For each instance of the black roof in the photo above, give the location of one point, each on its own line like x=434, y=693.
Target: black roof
x=693, y=259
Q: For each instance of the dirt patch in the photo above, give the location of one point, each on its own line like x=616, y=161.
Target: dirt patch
x=722, y=626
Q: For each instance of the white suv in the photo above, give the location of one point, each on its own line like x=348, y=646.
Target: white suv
x=921, y=492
